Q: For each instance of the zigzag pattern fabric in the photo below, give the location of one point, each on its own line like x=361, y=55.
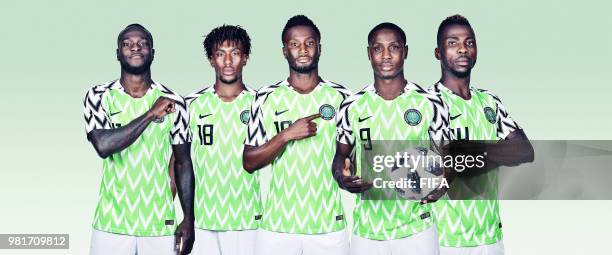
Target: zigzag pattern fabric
x=366, y=117
x=135, y=196
x=226, y=196
x=464, y=223
x=303, y=196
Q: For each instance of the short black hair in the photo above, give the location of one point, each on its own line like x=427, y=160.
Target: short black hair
x=135, y=26
x=449, y=21
x=300, y=20
x=235, y=34
x=387, y=25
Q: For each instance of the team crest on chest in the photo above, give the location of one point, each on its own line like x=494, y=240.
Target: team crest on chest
x=489, y=114
x=244, y=116
x=412, y=117
x=327, y=112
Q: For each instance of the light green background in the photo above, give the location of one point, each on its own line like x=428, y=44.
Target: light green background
x=548, y=61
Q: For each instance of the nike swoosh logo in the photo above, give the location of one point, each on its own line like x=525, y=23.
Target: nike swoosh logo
x=205, y=115
x=454, y=117
x=363, y=119
x=281, y=112
x=114, y=113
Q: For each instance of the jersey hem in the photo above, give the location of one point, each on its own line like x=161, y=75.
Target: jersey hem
x=470, y=244
x=121, y=231
x=230, y=228
x=421, y=227
x=334, y=229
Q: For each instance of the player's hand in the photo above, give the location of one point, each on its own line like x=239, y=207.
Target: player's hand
x=302, y=128
x=353, y=183
x=184, y=237
x=434, y=195
x=162, y=107
x=439, y=192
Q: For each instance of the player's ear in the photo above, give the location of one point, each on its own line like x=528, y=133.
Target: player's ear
x=152, y=54
x=117, y=52
x=437, y=53
x=405, y=51
x=245, y=60
x=210, y=61
x=368, y=51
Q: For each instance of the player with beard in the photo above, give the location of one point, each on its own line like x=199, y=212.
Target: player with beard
x=482, y=124
x=227, y=203
x=292, y=128
x=134, y=124
x=391, y=108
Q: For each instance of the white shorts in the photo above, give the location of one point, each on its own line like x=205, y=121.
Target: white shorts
x=489, y=249
x=273, y=243
x=240, y=242
x=423, y=243
x=104, y=243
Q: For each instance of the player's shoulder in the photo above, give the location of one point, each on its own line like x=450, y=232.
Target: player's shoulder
x=488, y=93
x=190, y=98
x=428, y=93
x=340, y=89
x=355, y=98
x=169, y=93
x=432, y=94
x=249, y=90
x=262, y=93
x=99, y=89
x=418, y=88
x=435, y=89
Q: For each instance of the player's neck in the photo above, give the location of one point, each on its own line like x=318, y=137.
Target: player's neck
x=228, y=91
x=389, y=89
x=458, y=85
x=304, y=83
x=136, y=85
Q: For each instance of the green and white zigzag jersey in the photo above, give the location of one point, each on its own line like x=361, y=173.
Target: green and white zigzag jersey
x=303, y=197
x=463, y=223
x=366, y=117
x=226, y=196
x=135, y=197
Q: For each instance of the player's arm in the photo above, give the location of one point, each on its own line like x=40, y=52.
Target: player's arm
x=256, y=157
x=185, y=185
x=342, y=170
x=171, y=174
x=514, y=150
x=109, y=141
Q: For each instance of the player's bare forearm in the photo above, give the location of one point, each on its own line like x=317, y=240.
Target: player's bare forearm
x=343, y=151
x=184, y=178
x=257, y=157
x=512, y=151
x=110, y=141
x=254, y=158
x=171, y=173
x=185, y=184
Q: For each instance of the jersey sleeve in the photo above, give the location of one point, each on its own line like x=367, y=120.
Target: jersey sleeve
x=344, y=131
x=180, y=132
x=505, y=123
x=439, y=130
x=256, y=131
x=189, y=99
x=93, y=109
